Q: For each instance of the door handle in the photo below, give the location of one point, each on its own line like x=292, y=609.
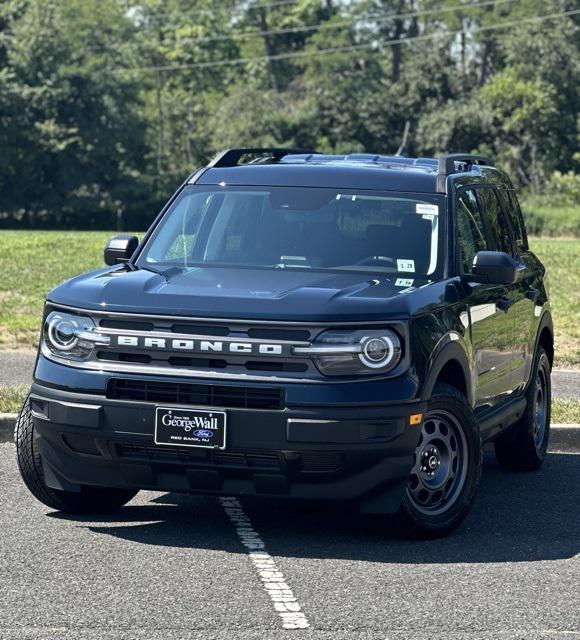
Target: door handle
x=532, y=293
x=504, y=303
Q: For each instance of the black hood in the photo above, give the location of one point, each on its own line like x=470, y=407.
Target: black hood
x=281, y=294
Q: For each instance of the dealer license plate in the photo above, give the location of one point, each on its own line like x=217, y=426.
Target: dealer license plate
x=190, y=427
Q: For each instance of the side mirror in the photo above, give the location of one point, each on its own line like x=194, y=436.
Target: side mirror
x=493, y=267
x=120, y=249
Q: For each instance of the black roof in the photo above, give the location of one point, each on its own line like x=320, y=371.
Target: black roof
x=288, y=167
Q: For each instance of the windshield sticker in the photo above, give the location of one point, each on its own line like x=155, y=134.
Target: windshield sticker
x=432, y=209
x=404, y=282
x=406, y=265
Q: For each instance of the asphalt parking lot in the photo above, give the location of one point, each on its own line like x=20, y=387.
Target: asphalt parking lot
x=177, y=566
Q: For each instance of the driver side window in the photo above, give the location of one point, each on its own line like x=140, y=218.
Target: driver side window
x=469, y=232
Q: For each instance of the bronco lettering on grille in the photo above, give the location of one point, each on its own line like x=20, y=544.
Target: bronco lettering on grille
x=201, y=346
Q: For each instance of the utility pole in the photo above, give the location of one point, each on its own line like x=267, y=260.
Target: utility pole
x=268, y=46
x=160, y=125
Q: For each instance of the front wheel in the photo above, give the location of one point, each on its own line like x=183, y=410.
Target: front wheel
x=89, y=500
x=446, y=469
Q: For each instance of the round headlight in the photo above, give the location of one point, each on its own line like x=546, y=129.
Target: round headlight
x=378, y=351
x=361, y=352
x=70, y=336
x=62, y=333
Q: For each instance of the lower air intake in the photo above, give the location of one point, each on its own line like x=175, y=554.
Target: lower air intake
x=206, y=395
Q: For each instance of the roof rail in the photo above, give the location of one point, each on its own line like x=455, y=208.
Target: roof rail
x=232, y=157
x=446, y=165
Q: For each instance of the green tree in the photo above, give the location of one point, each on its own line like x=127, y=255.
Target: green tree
x=80, y=139
x=524, y=125
x=106, y=106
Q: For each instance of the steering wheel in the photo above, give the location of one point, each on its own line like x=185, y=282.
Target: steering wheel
x=389, y=262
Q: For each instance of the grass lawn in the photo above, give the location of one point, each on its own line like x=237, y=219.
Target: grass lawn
x=11, y=398
x=32, y=262
x=566, y=411
x=562, y=260
x=551, y=221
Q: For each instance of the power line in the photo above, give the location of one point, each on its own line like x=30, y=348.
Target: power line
x=276, y=3
x=375, y=18
x=345, y=49
x=209, y=12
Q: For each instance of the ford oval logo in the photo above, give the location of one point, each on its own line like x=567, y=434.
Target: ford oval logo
x=203, y=433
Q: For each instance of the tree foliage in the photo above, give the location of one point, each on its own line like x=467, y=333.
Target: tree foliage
x=105, y=106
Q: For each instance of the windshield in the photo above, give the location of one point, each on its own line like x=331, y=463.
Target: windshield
x=297, y=228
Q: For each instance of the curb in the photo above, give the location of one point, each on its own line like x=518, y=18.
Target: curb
x=7, y=422
x=564, y=438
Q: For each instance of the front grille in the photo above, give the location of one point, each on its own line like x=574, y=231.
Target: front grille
x=317, y=462
x=207, y=395
x=322, y=461
x=222, y=459
x=192, y=361
x=246, y=460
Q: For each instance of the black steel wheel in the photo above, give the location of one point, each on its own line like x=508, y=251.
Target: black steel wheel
x=441, y=462
x=446, y=469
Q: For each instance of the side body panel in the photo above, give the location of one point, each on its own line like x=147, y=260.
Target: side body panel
x=492, y=338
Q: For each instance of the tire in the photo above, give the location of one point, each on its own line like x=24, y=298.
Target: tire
x=447, y=468
x=524, y=446
x=90, y=500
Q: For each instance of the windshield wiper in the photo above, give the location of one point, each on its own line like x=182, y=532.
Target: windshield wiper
x=147, y=268
x=165, y=273
x=283, y=265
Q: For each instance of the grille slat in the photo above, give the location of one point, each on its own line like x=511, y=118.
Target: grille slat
x=200, y=330
x=185, y=362
x=208, y=395
x=322, y=461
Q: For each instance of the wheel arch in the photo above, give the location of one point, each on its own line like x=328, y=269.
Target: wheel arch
x=451, y=366
x=545, y=336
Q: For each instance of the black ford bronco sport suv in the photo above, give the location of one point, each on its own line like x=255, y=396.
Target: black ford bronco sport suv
x=305, y=326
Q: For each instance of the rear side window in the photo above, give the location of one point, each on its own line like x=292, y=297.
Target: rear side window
x=470, y=232
x=510, y=205
x=497, y=227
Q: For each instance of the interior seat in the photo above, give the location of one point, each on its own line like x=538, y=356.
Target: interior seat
x=382, y=239
x=414, y=242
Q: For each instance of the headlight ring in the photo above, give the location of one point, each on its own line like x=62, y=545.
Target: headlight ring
x=62, y=334
x=377, y=351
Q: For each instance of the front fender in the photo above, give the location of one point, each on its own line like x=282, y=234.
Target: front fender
x=450, y=348
x=545, y=322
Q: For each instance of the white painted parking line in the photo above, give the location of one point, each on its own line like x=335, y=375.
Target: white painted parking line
x=275, y=584
x=563, y=453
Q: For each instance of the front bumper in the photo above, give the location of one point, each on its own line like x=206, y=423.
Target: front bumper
x=329, y=452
